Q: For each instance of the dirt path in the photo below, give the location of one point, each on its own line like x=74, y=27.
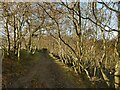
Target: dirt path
x=46, y=74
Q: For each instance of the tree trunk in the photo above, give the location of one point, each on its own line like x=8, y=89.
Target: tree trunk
x=79, y=31
x=117, y=75
x=30, y=39
x=19, y=41
x=8, y=38
x=29, y=43
x=117, y=69
x=14, y=36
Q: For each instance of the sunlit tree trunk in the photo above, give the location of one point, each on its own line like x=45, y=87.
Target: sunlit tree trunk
x=79, y=37
x=30, y=38
x=117, y=68
x=18, y=43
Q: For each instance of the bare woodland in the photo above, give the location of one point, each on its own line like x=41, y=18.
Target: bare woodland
x=82, y=35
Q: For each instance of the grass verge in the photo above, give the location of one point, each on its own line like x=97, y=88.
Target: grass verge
x=12, y=69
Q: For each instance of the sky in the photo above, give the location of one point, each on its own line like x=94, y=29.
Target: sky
x=56, y=0
x=113, y=24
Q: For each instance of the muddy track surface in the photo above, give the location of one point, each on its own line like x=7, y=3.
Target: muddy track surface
x=45, y=74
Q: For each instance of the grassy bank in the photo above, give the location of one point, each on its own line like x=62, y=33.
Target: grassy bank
x=12, y=69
